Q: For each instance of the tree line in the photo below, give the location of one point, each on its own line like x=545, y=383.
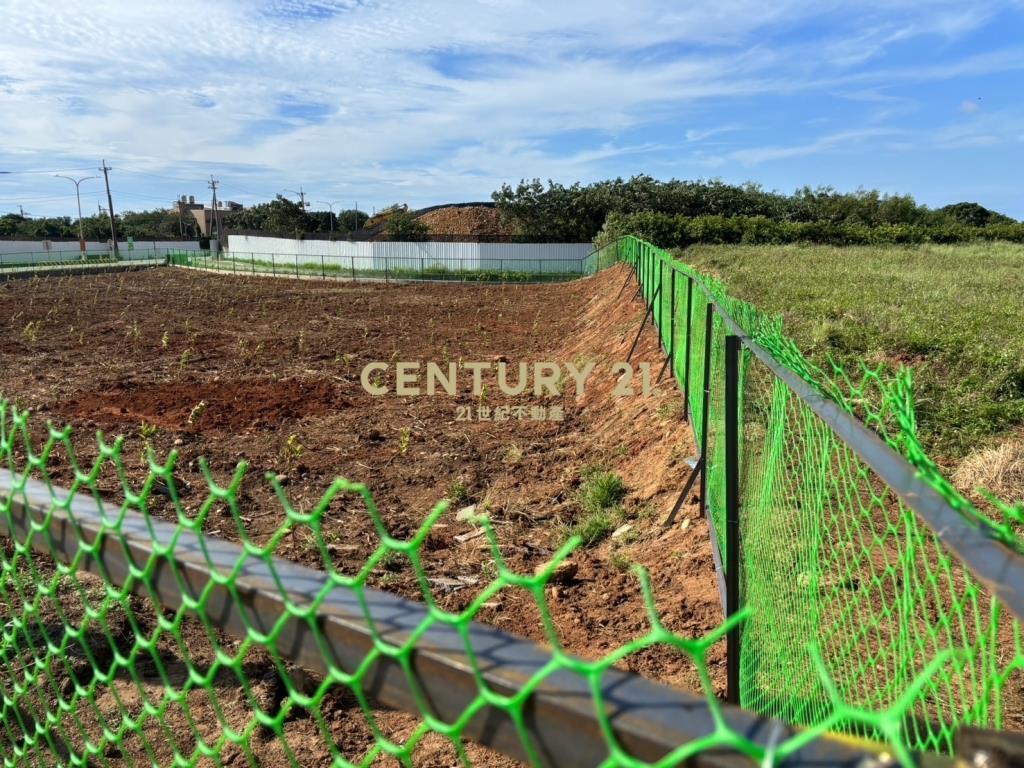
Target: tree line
x=679, y=212
x=280, y=216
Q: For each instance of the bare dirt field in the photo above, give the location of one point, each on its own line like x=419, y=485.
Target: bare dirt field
x=268, y=371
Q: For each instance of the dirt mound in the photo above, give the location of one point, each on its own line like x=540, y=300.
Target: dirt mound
x=192, y=406
x=473, y=221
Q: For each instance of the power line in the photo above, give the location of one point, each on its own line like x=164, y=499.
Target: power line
x=161, y=176
x=9, y=200
x=54, y=170
x=139, y=196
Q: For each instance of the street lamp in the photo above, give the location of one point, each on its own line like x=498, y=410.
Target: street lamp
x=78, y=197
x=330, y=207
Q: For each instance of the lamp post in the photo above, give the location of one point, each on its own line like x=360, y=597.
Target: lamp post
x=78, y=197
x=330, y=207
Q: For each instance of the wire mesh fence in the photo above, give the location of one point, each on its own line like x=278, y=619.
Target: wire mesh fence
x=135, y=640
x=864, y=596
x=37, y=260
x=398, y=268
x=904, y=617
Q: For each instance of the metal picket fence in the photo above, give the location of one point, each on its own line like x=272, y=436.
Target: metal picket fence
x=394, y=268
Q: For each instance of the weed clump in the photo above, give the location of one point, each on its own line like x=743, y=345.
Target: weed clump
x=599, y=497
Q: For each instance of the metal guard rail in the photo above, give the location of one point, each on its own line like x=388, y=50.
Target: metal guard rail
x=649, y=720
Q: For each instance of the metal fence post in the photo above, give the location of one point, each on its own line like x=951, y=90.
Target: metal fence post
x=732, y=512
x=672, y=322
x=353, y=258
x=273, y=264
x=709, y=328
x=661, y=304
x=686, y=348
x=323, y=267
x=650, y=274
x=296, y=265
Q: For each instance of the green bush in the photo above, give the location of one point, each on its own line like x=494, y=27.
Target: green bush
x=669, y=231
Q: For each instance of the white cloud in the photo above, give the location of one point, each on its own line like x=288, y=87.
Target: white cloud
x=829, y=143
x=426, y=98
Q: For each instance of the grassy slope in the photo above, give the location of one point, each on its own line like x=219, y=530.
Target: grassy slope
x=953, y=313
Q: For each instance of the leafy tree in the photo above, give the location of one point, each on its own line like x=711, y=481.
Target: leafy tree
x=280, y=216
x=404, y=226
x=972, y=215
x=577, y=213
x=350, y=220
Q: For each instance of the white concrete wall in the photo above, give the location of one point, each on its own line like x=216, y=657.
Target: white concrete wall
x=43, y=252
x=510, y=257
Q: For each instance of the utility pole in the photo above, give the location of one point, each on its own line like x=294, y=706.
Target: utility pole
x=78, y=197
x=215, y=213
x=302, y=197
x=110, y=204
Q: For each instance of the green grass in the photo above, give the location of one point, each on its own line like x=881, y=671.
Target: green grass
x=955, y=314
x=599, y=497
x=596, y=526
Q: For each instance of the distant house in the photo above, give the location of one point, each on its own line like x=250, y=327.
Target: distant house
x=203, y=215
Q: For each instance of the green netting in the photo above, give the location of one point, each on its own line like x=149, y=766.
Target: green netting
x=855, y=619
x=95, y=671
x=829, y=552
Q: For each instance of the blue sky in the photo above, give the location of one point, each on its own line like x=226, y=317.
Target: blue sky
x=429, y=102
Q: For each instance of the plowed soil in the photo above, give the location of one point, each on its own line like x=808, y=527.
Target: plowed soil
x=268, y=372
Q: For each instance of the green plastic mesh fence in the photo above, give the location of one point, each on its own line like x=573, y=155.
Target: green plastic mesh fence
x=855, y=619
x=828, y=551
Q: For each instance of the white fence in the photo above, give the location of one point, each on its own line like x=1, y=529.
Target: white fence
x=380, y=256
x=32, y=252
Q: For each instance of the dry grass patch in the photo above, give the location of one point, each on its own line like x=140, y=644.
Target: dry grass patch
x=998, y=470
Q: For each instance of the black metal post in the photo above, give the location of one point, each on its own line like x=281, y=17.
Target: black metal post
x=631, y=272
x=732, y=512
x=647, y=273
x=686, y=348
x=672, y=321
x=661, y=307
x=709, y=327
x=323, y=267
x=648, y=314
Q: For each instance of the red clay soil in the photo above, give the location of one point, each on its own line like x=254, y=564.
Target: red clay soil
x=268, y=371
